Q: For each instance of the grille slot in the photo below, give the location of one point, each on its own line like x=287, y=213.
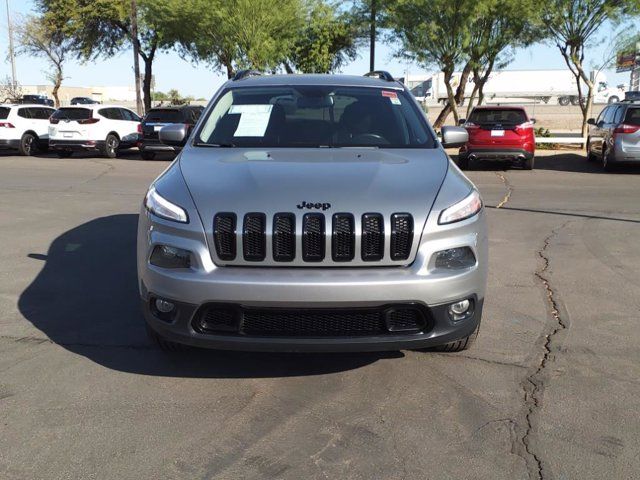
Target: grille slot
x=401, y=236
x=253, y=237
x=343, y=238
x=313, y=237
x=284, y=237
x=224, y=235
x=372, y=237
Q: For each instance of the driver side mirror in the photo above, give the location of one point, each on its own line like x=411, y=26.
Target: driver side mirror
x=174, y=135
x=462, y=121
x=453, y=137
x=591, y=121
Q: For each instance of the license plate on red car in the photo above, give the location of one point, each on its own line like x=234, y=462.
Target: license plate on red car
x=497, y=133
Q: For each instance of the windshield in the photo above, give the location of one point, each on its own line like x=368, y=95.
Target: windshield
x=490, y=116
x=315, y=116
x=72, y=114
x=164, y=116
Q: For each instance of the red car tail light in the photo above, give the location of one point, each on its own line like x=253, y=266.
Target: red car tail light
x=88, y=121
x=139, y=128
x=524, y=128
x=624, y=128
x=6, y=125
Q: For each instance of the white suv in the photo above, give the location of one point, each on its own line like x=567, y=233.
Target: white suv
x=25, y=127
x=102, y=128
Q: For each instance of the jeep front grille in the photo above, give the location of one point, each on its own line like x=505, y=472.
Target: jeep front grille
x=341, y=230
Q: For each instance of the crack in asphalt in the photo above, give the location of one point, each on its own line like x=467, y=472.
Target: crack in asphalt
x=533, y=385
x=110, y=168
x=509, y=188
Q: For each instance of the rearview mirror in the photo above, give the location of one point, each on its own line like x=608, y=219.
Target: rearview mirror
x=174, y=135
x=591, y=121
x=453, y=137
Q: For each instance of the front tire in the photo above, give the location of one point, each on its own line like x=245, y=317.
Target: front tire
x=28, y=145
x=111, y=145
x=608, y=164
x=564, y=101
x=590, y=156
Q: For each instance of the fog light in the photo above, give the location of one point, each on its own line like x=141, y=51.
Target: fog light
x=461, y=310
x=170, y=257
x=455, y=258
x=164, y=306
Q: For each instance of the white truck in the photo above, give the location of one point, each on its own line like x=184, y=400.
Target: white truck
x=516, y=85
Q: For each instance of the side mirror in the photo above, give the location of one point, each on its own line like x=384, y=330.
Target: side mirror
x=462, y=121
x=174, y=135
x=591, y=121
x=453, y=137
x=533, y=120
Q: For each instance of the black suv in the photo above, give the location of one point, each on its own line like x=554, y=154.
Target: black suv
x=83, y=101
x=37, y=99
x=156, y=118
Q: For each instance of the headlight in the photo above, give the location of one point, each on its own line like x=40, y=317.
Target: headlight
x=163, y=208
x=462, y=210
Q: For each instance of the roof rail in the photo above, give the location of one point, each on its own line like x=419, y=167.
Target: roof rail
x=381, y=74
x=245, y=74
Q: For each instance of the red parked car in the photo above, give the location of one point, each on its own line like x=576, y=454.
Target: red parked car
x=499, y=133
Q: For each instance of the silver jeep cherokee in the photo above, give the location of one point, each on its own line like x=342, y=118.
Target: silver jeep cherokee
x=313, y=213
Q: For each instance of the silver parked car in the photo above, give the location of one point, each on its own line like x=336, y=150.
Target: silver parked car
x=313, y=213
x=615, y=136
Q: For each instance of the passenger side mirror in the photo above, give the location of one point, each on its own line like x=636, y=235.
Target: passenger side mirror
x=591, y=121
x=174, y=135
x=462, y=121
x=453, y=137
x=533, y=120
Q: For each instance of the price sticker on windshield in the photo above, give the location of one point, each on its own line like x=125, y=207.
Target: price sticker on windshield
x=393, y=96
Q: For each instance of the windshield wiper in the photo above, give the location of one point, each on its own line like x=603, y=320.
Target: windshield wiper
x=217, y=145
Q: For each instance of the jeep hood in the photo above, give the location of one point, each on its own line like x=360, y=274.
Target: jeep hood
x=355, y=180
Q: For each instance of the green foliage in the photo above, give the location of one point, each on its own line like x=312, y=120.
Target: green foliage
x=237, y=34
x=326, y=41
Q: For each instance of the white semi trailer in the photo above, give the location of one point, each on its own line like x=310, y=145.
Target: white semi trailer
x=505, y=85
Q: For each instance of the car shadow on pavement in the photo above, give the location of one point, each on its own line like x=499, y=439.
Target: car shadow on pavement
x=86, y=300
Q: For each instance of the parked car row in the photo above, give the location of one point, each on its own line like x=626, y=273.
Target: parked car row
x=103, y=129
x=507, y=134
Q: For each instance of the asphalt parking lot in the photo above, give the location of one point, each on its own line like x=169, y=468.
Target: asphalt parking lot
x=551, y=389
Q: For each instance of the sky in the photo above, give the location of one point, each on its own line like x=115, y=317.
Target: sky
x=172, y=72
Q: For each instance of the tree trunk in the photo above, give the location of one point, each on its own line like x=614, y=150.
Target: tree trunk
x=56, y=85
x=136, y=51
x=451, y=102
x=230, y=71
x=146, y=82
x=372, y=37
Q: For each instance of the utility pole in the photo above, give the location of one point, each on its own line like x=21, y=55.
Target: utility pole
x=11, y=54
x=136, y=49
x=372, y=37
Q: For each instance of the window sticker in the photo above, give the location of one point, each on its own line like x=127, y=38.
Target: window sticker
x=393, y=96
x=253, y=119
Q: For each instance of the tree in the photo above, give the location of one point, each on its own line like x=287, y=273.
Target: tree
x=39, y=38
x=238, y=34
x=369, y=16
x=10, y=92
x=573, y=26
x=436, y=32
x=103, y=28
x=499, y=27
x=326, y=41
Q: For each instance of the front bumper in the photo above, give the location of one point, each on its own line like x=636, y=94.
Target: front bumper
x=312, y=288
x=478, y=153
